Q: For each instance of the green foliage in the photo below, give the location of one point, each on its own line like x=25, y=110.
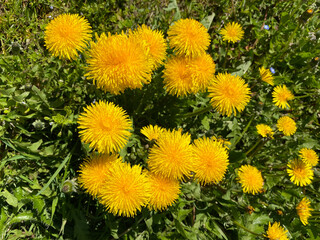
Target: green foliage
x=42, y=96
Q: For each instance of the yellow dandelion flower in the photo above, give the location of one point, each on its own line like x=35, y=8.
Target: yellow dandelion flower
x=117, y=62
x=210, y=160
x=250, y=178
x=266, y=75
x=126, y=191
x=264, y=130
x=152, y=132
x=304, y=210
x=276, y=232
x=171, y=157
x=105, y=126
x=67, y=34
x=232, y=32
x=300, y=172
x=281, y=95
x=155, y=43
x=183, y=75
x=229, y=94
x=165, y=192
x=309, y=156
x=188, y=37
x=93, y=172
x=225, y=143
x=286, y=125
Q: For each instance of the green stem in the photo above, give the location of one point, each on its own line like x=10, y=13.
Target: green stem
x=303, y=96
x=243, y=132
x=289, y=40
x=225, y=59
x=246, y=229
x=197, y=112
x=253, y=147
x=261, y=144
x=130, y=228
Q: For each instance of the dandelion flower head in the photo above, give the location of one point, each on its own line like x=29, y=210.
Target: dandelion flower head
x=155, y=43
x=286, y=125
x=117, y=62
x=152, y=132
x=225, y=143
x=300, y=172
x=210, y=160
x=67, y=34
x=232, y=32
x=304, y=210
x=93, y=172
x=183, y=75
x=188, y=37
x=171, y=157
x=229, y=94
x=276, y=232
x=165, y=191
x=281, y=95
x=105, y=126
x=250, y=178
x=126, y=191
x=264, y=130
x=309, y=156
x=266, y=75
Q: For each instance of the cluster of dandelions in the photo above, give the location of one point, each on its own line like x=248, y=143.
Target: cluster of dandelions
x=116, y=62
x=127, y=60
x=124, y=189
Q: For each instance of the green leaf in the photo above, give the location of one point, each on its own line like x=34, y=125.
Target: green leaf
x=207, y=21
x=242, y=69
x=53, y=207
x=34, y=147
x=10, y=198
x=41, y=95
x=205, y=123
x=22, y=217
x=55, y=174
x=180, y=228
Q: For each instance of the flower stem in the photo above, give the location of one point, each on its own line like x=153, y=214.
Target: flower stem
x=197, y=112
x=225, y=58
x=243, y=132
x=246, y=229
x=253, y=147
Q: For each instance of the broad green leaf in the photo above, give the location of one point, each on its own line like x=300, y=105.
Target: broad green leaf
x=10, y=198
x=207, y=21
